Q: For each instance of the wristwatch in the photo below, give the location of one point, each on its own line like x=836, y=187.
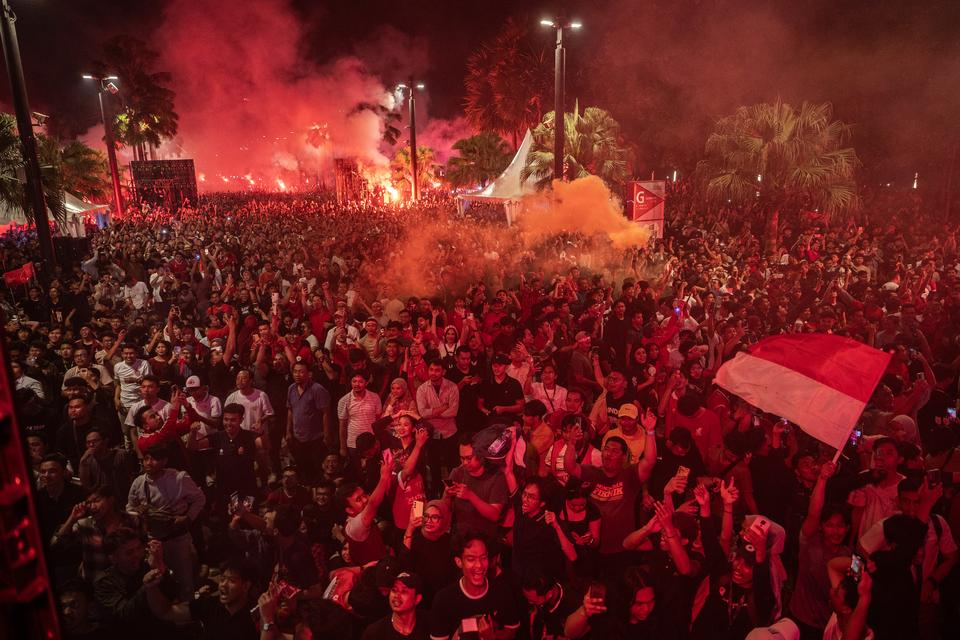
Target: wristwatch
x=267, y=626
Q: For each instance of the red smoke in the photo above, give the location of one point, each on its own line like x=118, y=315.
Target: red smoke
x=247, y=99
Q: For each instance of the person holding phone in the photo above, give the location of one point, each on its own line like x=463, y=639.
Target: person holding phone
x=938, y=555
x=475, y=604
x=427, y=545
x=364, y=537
x=638, y=618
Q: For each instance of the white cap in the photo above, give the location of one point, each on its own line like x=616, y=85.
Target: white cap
x=193, y=382
x=783, y=629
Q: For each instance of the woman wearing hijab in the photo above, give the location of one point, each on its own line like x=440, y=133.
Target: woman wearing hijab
x=427, y=546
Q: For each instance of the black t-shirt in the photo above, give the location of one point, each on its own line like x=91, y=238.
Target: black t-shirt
x=451, y=605
x=222, y=379
x=36, y=309
x=667, y=466
x=234, y=462
x=383, y=630
x=219, y=623
x=548, y=621
x=433, y=560
x=468, y=411
x=501, y=394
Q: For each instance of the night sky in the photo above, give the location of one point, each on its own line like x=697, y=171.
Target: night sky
x=665, y=68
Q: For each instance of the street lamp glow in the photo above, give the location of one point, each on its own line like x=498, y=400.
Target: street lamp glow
x=401, y=86
x=420, y=86
x=575, y=25
x=112, y=78
x=87, y=76
x=547, y=23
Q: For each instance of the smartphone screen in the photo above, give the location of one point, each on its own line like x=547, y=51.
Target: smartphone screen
x=598, y=591
x=856, y=567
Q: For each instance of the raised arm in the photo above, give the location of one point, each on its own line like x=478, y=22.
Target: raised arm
x=810, y=523
x=649, y=459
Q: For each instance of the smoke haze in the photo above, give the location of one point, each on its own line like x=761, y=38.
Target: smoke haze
x=252, y=106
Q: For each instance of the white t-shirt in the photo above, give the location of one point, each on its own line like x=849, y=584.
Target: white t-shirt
x=877, y=503
x=834, y=632
x=130, y=391
x=161, y=406
x=554, y=399
x=355, y=529
x=256, y=407
x=137, y=294
x=209, y=407
x=592, y=458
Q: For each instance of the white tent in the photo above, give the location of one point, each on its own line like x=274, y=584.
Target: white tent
x=508, y=188
x=76, y=213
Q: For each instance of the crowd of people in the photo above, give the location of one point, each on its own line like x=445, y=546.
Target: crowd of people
x=238, y=430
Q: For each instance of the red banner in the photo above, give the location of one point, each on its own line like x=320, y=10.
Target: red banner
x=19, y=276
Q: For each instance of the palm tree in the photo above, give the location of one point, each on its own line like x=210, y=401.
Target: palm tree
x=592, y=146
x=389, y=117
x=13, y=193
x=482, y=158
x=84, y=171
x=145, y=112
x=774, y=157
x=509, y=79
x=403, y=172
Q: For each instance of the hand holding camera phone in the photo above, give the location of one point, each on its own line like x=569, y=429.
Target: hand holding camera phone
x=856, y=567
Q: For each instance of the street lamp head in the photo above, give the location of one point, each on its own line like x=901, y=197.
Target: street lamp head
x=87, y=76
x=575, y=25
x=112, y=78
x=420, y=86
x=401, y=86
x=547, y=23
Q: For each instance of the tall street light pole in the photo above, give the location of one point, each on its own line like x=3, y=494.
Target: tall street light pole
x=106, y=84
x=28, y=143
x=412, y=105
x=559, y=80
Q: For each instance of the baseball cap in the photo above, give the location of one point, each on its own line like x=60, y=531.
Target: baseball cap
x=386, y=571
x=628, y=410
x=193, y=382
x=501, y=358
x=411, y=580
x=783, y=629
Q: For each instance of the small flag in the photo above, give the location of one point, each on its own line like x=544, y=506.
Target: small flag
x=19, y=276
x=820, y=382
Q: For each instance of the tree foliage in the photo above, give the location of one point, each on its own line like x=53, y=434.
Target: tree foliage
x=482, y=158
x=509, y=80
x=403, y=171
x=144, y=108
x=84, y=171
x=592, y=146
x=389, y=118
x=799, y=155
x=13, y=192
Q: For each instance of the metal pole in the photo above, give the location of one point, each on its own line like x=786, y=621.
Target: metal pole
x=415, y=191
x=18, y=88
x=111, y=151
x=558, y=120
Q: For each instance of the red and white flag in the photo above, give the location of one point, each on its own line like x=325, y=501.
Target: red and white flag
x=19, y=276
x=818, y=381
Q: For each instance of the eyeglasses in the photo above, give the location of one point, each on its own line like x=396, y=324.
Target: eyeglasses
x=433, y=518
